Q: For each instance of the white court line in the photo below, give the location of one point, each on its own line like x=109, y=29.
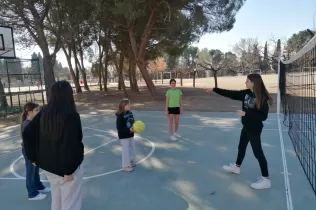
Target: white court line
x=212, y=126
x=187, y=117
x=19, y=177
x=286, y=176
x=7, y=128
x=289, y=202
x=8, y=153
x=10, y=137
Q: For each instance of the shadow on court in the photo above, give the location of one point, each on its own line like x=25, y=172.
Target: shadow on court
x=186, y=174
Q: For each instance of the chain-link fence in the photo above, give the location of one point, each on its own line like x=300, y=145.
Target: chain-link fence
x=21, y=81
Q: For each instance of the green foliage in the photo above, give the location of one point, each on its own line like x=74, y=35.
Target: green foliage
x=265, y=62
x=276, y=56
x=298, y=40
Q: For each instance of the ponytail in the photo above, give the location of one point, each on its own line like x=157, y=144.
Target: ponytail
x=29, y=106
x=23, y=118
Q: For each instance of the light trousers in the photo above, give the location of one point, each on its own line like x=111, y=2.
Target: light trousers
x=66, y=195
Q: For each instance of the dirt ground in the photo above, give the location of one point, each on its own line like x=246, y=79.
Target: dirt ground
x=194, y=99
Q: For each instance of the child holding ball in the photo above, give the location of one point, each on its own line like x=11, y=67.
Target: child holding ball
x=124, y=125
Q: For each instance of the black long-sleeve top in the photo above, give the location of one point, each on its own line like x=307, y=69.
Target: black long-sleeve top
x=124, y=123
x=253, y=117
x=58, y=156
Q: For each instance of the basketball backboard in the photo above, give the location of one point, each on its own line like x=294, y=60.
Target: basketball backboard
x=7, y=49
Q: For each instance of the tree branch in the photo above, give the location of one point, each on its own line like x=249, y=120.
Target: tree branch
x=46, y=9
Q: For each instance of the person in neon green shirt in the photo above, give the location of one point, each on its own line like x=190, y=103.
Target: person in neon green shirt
x=173, y=109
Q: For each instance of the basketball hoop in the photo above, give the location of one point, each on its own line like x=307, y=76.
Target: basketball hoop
x=7, y=50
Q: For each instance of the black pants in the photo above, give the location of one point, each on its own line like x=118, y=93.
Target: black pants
x=252, y=135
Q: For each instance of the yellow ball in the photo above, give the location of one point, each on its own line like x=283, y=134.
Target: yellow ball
x=138, y=126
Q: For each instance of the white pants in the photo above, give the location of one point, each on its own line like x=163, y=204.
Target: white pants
x=66, y=195
x=128, y=147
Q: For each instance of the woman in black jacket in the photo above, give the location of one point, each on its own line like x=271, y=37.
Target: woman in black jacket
x=255, y=107
x=53, y=141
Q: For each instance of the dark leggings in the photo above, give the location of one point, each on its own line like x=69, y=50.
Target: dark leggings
x=252, y=135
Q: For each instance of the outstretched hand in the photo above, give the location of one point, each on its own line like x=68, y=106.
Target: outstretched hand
x=208, y=90
x=240, y=113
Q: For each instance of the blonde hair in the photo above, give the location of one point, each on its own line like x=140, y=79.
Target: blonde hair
x=121, y=106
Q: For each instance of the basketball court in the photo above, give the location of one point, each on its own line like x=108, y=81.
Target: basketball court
x=184, y=174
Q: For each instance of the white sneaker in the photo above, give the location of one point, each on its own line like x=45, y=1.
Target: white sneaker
x=38, y=197
x=173, y=138
x=45, y=190
x=262, y=183
x=232, y=168
x=177, y=135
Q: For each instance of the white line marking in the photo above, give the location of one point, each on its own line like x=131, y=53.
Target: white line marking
x=19, y=177
x=288, y=196
x=10, y=137
x=115, y=171
x=7, y=128
x=8, y=153
x=189, y=117
x=212, y=126
x=286, y=176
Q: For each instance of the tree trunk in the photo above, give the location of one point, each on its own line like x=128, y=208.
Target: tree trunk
x=3, y=98
x=77, y=76
x=105, y=72
x=121, y=79
x=83, y=69
x=83, y=73
x=140, y=53
x=131, y=84
x=100, y=67
x=181, y=81
x=71, y=71
x=49, y=79
x=102, y=75
x=134, y=77
x=150, y=85
x=105, y=76
x=194, y=74
x=215, y=77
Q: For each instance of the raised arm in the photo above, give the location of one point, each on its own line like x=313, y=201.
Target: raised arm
x=238, y=95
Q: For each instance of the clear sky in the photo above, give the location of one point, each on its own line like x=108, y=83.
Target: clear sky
x=263, y=19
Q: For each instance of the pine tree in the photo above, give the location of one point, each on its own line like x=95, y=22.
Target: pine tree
x=276, y=56
x=265, y=63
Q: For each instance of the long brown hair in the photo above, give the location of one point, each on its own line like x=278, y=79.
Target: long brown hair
x=28, y=107
x=260, y=90
x=121, y=106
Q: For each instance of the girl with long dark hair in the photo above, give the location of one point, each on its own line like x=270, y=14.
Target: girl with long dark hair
x=53, y=141
x=255, y=108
